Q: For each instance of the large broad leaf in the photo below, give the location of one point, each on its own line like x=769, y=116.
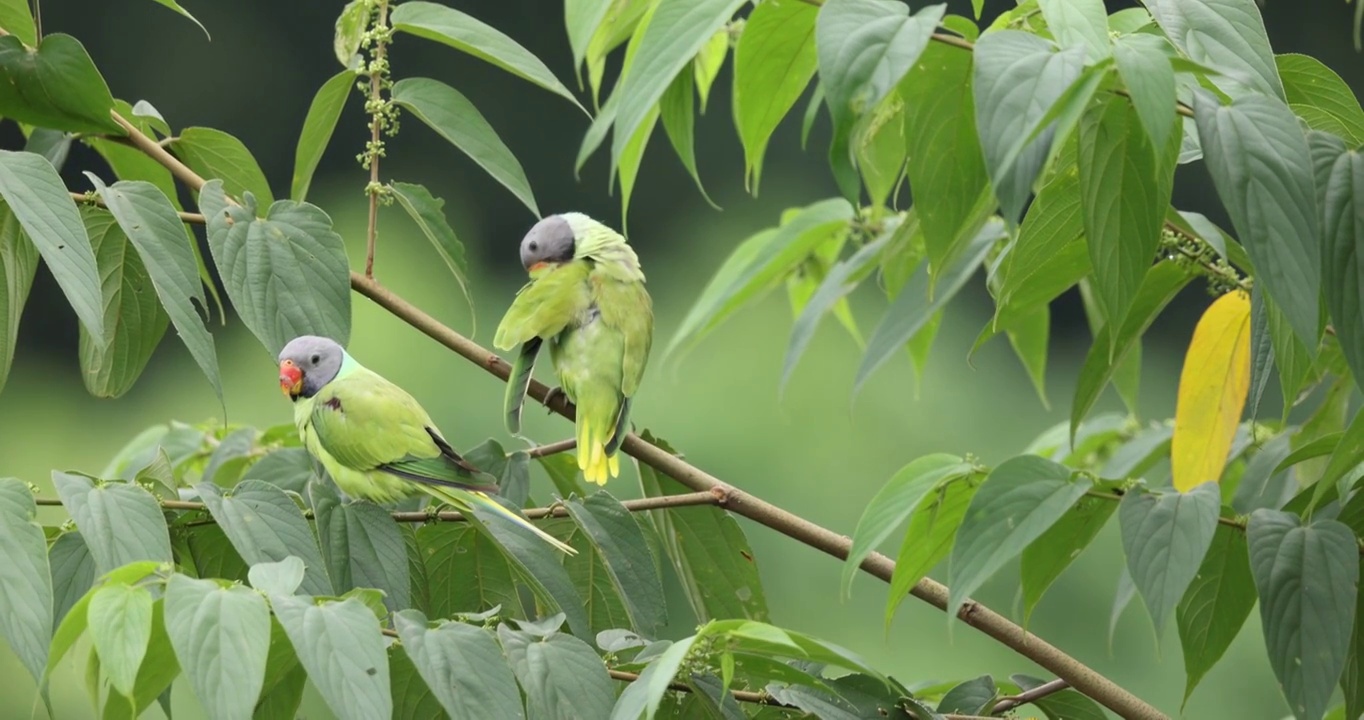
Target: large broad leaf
x=865, y=47
x=467, y=34
x=133, y=316
x=121, y=523
x=456, y=119
x=841, y=279
x=1165, y=537
x=216, y=155
x=1146, y=70
x=73, y=572
x=222, y=637
x=1018, y=76
x=1020, y=499
x=1225, y=35
x=462, y=665
x=55, y=87
x=929, y=539
x=675, y=33
x=37, y=196
x=972, y=697
x=563, y=677
x=773, y=63
x=286, y=273
x=427, y=211
x=412, y=698
x=1342, y=267
x=340, y=646
x=1307, y=578
x=466, y=572
x=603, y=602
x=1216, y=605
x=1078, y=22
x=1307, y=81
x=159, y=667
x=120, y=618
x=1048, y=257
x=1054, y=550
x=627, y=558
x=25, y=579
x=151, y=224
x=1262, y=170
x=361, y=546
x=895, y=502
x=1212, y=392
x=323, y=113
x=18, y=264
x=265, y=525
x=16, y=19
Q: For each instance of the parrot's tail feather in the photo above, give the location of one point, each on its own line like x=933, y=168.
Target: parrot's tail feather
x=622, y=428
x=596, y=462
x=517, y=382
x=465, y=499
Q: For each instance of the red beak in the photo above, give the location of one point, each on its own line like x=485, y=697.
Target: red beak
x=290, y=379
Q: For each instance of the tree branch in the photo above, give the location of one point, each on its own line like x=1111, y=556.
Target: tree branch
x=1023, y=698
x=89, y=199
x=377, y=68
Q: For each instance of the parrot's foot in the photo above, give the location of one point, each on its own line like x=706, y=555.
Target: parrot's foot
x=553, y=394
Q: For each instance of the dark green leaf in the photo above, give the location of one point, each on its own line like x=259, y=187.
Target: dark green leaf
x=212, y=554
x=286, y=274
x=1343, y=268
x=265, y=526
x=1307, y=578
x=536, y=563
x=1063, y=705
x=16, y=19
x=412, y=697
x=1054, y=550
x=677, y=111
x=1216, y=605
x=603, y=602
x=466, y=571
x=18, y=264
x=26, y=591
x=222, y=637
x=645, y=695
x=361, y=546
x=73, y=572
x=627, y=558
x=462, y=665
x=469, y=35
x=1227, y=36
x=1050, y=255
x=1307, y=81
x=120, y=618
x=427, y=211
x=773, y=63
x=1261, y=352
x=456, y=119
x=1165, y=536
x=56, y=87
x=562, y=676
x=120, y=523
x=323, y=113
x=928, y=541
x=289, y=469
x=1263, y=484
x=1260, y=165
x=159, y=667
x=973, y=697
x=215, y=155
x=1352, y=680
x=340, y=646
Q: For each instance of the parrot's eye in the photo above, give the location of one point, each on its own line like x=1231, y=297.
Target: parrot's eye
x=317, y=359
x=533, y=246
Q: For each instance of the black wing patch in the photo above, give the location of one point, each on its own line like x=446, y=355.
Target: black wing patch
x=333, y=403
x=449, y=453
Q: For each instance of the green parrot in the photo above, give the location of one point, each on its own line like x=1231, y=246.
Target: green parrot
x=586, y=297
x=374, y=439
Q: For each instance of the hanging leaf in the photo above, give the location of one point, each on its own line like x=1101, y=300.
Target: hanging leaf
x=1054, y=550
x=1309, y=82
x=120, y=618
x=1050, y=255
x=26, y=582
x=18, y=265
x=216, y=155
x=626, y=556
x=318, y=126
x=773, y=63
x=221, y=636
x=120, y=523
x=1078, y=22
x=462, y=665
x=266, y=526
x=1212, y=392
x=466, y=571
x=1165, y=536
x=361, y=546
x=1343, y=270
x=563, y=677
x=928, y=541
x=57, y=86
x=1216, y=605
x=1227, y=36
x=340, y=646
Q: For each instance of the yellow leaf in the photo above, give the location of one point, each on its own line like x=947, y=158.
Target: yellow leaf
x=1212, y=392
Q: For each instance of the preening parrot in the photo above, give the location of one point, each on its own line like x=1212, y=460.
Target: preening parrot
x=374, y=439
x=586, y=297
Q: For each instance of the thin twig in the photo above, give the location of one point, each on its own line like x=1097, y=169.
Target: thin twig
x=376, y=126
x=193, y=218
x=1023, y=698
x=553, y=448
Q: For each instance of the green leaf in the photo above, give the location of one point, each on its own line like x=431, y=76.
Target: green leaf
x=1054, y=550
x=604, y=603
x=582, y=18
x=56, y=87
x=707, y=63
x=627, y=558
x=216, y=155
x=462, y=665
x=265, y=525
x=1165, y=536
x=18, y=21
x=1216, y=605
x=675, y=33
x=286, y=274
x=213, y=555
x=645, y=695
x=361, y=546
x=340, y=646
x=159, y=667
x=537, y=565
x=773, y=63
x=1017, y=78
x=120, y=523
x=1162, y=283
x=466, y=572
x=427, y=211
x=120, y=618
x=1259, y=161
x=1018, y=501
x=456, y=119
x=350, y=27
x=176, y=7
x=18, y=265
x=864, y=48
x=290, y=469
x=1029, y=339
x=929, y=539
x=1050, y=255
x=318, y=126
x=151, y=224
x=1126, y=183
x=412, y=698
x=1227, y=36
x=1343, y=269
x=758, y=263
x=677, y=111
x=841, y=279
x=1306, y=576
x=1307, y=81
x=26, y=592
x=73, y=572
x=1063, y=705
x=37, y=196
x=1078, y=22
x=222, y=637
x=469, y=35
x=562, y=676
x=920, y=299
x=895, y=502
x=972, y=697
x=277, y=578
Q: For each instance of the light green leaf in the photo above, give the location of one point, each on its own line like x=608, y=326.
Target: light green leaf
x=467, y=34
x=462, y=665
x=26, y=592
x=581, y=19
x=318, y=126
x=1308, y=82
x=677, y=111
x=1049, y=256
x=222, y=637
x=56, y=87
x=451, y=115
x=1343, y=268
x=426, y=210
x=707, y=63
x=216, y=155
x=286, y=273
x=841, y=280
x=132, y=314
x=1078, y=22
x=73, y=572
x=563, y=677
x=16, y=19
x=277, y=578
x=1165, y=536
x=773, y=63
x=159, y=667
x=1216, y=605
x=1307, y=577
x=1054, y=550
x=350, y=26
x=120, y=618
x=627, y=558
x=1150, y=80
x=928, y=541
x=264, y=526
x=120, y=523
x=18, y=265
x=1225, y=35
x=361, y=546
x=176, y=7
x=645, y=695
x=340, y=646
x=1018, y=501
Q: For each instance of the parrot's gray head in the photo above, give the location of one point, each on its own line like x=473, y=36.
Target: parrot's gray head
x=549, y=242
x=307, y=364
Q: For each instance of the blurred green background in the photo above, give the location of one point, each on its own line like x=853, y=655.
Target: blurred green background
x=815, y=450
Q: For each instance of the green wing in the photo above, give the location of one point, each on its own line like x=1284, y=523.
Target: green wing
x=546, y=305
x=519, y=380
x=627, y=308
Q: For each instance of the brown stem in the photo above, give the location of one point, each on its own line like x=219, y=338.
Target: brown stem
x=194, y=218
x=553, y=448
x=1023, y=698
x=376, y=126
